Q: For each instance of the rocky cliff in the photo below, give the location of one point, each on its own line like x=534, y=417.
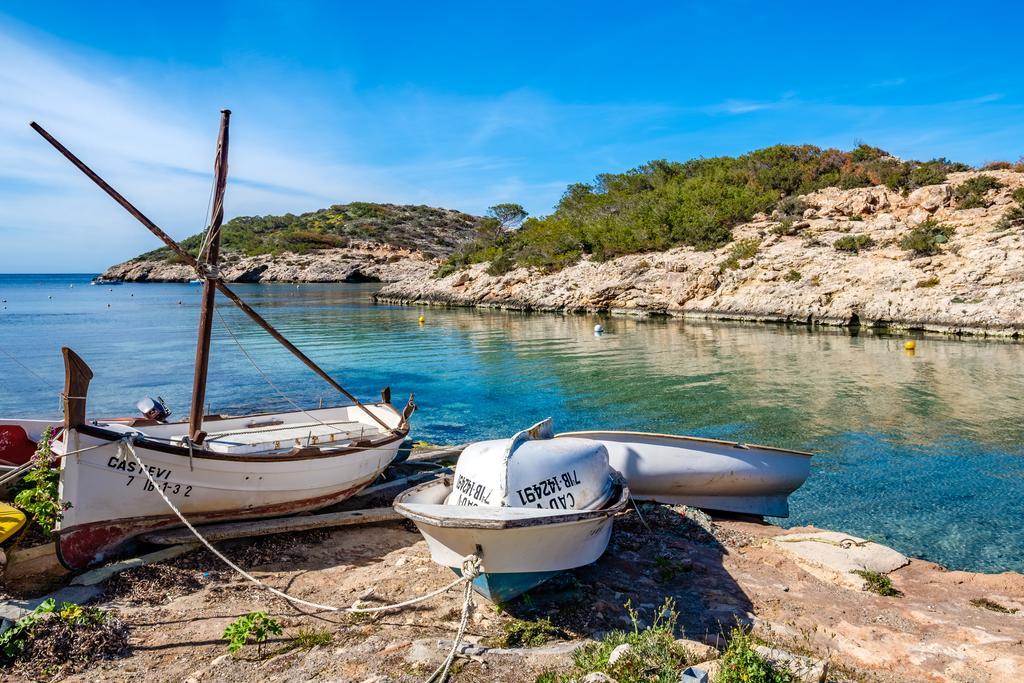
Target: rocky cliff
x=343, y=243
x=868, y=256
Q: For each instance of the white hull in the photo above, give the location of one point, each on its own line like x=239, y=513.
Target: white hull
x=705, y=473
x=517, y=546
x=112, y=499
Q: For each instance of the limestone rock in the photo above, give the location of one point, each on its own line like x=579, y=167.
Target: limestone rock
x=702, y=652
x=806, y=669
x=713, y=669
x=597, y=677
x=931, y=197
x=832, y=556
x=618, y=653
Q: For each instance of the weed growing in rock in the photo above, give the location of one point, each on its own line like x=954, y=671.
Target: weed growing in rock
x=792, y=276
x=853, y=243
x=741, y=663
x=992, y=606
x=927, y=282
x=255, y=627
x=970, y=194
x=668, y=570
x=877, y=583
x=1013, y=218
x=926, y=238
x=307, y=638
x=520, y=633
x=741, y=251
x=1018, y=195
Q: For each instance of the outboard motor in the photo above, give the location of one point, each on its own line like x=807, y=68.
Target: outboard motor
x=154, y=408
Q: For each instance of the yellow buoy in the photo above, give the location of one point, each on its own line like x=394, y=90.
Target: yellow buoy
x=910, y=345
x=423, y=319
x=11, y=519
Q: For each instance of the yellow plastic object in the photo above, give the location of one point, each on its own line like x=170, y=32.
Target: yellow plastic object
x=423, y=319
x=910, y=345
x=11, y=519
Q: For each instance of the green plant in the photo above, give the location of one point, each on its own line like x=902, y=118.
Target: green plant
x=927, y=282
x=255, y=627
x=853, y=243
x=308, y=638
x=858, y=218
x=1013, y=218
x=741, y=251
x=878, y=583
x=926, y=238
x=521, y=633
x=668, y=569
x=792, y=275
x=13, y=640
x=970, y=194
x=654, y=654
x=992, y=605
x=741, y=663
x=996, y=166
x=1018, y=195
x=39, y=497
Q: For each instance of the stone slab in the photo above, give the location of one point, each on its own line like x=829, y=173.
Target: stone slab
x=831, y=556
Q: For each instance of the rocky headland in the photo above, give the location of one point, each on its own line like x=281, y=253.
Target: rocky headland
x=843, y=259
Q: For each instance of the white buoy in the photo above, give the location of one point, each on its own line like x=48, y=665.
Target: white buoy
x=598, y=329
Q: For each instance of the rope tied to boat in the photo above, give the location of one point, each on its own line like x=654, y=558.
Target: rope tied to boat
x=471, y=568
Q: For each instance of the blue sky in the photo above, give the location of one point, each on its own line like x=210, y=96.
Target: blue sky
x=460, y=104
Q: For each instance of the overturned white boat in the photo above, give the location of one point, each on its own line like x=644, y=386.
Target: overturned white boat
x=529, y=507
x=704, y=473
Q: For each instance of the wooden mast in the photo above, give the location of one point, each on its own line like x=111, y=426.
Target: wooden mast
x=210, y=276
x=190, y=260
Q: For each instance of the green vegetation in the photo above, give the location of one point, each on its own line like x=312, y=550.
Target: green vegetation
x=792, y=276
x=876, y=582
x=255, y=627
x=927, y=282
x=668, y=570
x=853, y=243
x=697, y=203
x=654, y=656
x=39, y=489
x=926, y=238
x=970, y=194
x=521, y=633
x=307, y=638
x=741, y=251
x=436, y=231
x=53, y=639
x=741, y=663
x=1018, y=195
x=992, y=605
x=1013, y=218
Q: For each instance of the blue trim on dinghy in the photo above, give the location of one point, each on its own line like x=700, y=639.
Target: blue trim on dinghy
x=506, y=586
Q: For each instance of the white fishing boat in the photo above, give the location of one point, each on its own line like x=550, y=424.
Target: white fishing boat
x=704, y=473
x=529, y=507
x=210, y=468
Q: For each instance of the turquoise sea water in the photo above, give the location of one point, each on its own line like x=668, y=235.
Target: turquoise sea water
x=924, y=452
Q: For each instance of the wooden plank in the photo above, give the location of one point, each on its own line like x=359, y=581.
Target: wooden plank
x=91, y=578
x=224, y=532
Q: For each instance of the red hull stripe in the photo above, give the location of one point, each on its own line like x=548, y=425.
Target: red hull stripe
x=87, y=544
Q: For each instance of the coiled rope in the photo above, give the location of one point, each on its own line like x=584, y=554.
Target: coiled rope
x=470, y=570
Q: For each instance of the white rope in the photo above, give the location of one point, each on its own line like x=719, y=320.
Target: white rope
x=470, y=566
x=467, y=606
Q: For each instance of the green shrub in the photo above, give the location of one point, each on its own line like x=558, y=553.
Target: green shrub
x=308, y=638
x=997, y=166
x=853, y=243
x=792, y=276
x=520, y=633
x=926, y=238
x=970, y=194
x=1013, y=218
x=992, y=606
x=1018, y=195
x=877, y=583
x=38, y=496
x=255, y=627
x=741, y=251
x=741, y=663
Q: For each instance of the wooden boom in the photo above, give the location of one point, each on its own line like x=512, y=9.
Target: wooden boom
x=189, y=260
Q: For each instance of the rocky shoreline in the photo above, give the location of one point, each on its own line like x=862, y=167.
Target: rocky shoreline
x=358, y=262
x=840, y=262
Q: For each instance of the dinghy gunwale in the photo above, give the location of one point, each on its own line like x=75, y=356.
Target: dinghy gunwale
x=584, y=434
x=616, y=504
x=399, y=433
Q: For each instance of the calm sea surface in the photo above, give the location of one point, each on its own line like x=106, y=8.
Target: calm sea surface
x=924, y=452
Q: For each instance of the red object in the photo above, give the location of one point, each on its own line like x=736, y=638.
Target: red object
x=15, y=446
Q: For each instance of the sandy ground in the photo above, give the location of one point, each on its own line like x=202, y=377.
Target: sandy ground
x=718, y=574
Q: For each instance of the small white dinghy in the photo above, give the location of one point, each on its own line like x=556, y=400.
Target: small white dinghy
x=529, y=507
x=704, y=473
